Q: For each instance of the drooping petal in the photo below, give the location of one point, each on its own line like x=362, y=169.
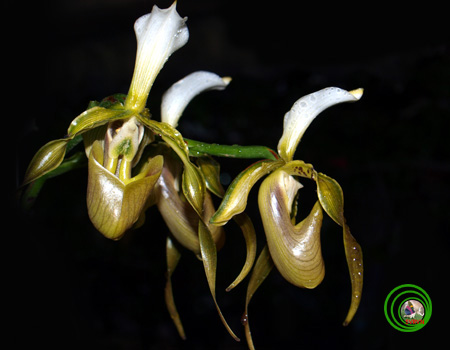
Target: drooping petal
x=248, y=230
x=114, y=207
x=173, y=257
x=263, y=266
x=295, y=249
x=303, y=112
x=332, y=200
x=354, y=257
x=182, y=92
x=158, y=34
x=209, y=258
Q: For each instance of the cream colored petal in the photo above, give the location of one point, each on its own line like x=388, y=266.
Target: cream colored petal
x=303, y=112
x=182, y=92
x=158, y=34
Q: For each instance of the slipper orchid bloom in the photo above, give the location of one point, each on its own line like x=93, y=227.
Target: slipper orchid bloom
x=125, y=176
x=295, y=248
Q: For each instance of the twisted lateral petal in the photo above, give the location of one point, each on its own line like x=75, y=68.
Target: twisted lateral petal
x=303, y=112
x=114, y=207
x=182, y=92
x=295, y=250
x=158, y=34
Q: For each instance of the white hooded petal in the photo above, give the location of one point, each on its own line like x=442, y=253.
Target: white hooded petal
x=158, y=34
x=303, y=112
x=182, y=92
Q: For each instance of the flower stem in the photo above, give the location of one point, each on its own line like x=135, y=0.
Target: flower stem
x=197, y=149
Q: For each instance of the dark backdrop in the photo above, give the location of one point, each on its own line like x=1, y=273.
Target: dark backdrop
x=72, y=288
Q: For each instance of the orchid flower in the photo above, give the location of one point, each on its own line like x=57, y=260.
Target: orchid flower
x=116, y=131
x=125, y=176
x=294, y=248
x=135, y=162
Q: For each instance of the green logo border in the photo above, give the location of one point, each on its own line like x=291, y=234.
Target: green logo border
x=415, y=293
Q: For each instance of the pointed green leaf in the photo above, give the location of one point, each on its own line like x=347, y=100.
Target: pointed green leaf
x=209, y=257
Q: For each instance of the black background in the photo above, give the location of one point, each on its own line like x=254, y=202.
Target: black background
x=72, y=288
